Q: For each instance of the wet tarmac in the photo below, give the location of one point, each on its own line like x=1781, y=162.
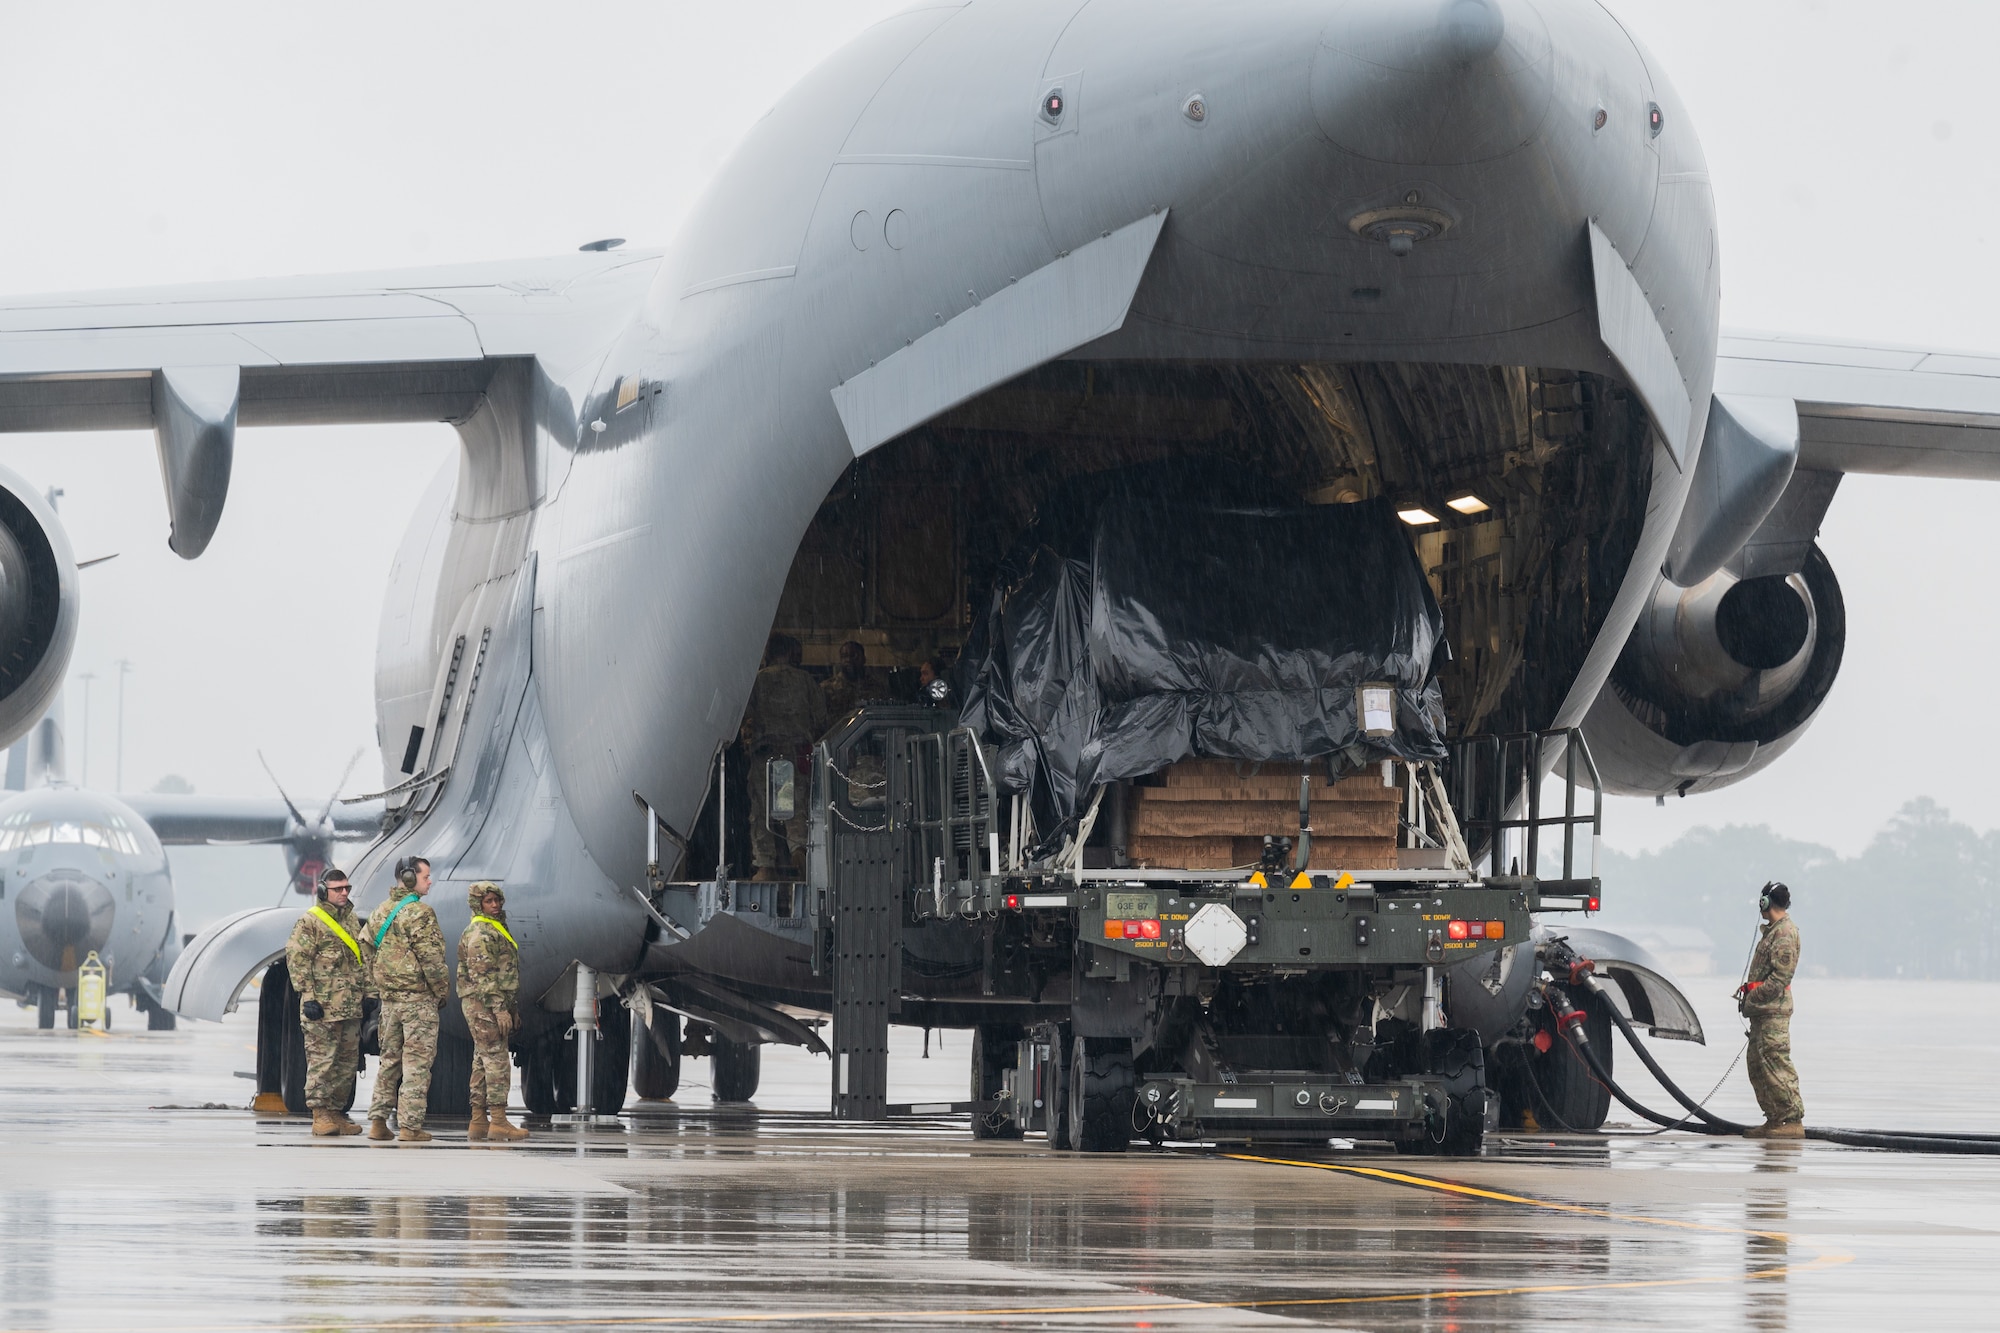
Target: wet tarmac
x=138, y=1195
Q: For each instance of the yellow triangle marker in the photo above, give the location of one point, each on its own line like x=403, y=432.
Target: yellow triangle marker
x=1258, y=881
x=1345, y=881
x=1302, y=880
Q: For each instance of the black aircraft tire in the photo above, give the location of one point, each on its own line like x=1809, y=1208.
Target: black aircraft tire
x=45, y=1009
x=611, y=1072
x=158, y=1019
x=71, y=1011
x=271, y=1029
x=292, y=1057
x=1570, y=1097
x=540, y=1063
x=1101, y=1094
x=738, y=1067
x=995, y=1047
x=656, y=1058
x=449, y=1096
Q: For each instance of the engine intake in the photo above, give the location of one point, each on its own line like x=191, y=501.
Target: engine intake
x=38, y=606
x=1718, y=680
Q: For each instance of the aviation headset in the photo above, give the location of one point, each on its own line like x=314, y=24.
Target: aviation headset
x=1774, y=894
x=406, y=871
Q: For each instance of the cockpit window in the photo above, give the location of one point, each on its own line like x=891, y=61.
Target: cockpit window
x=19, y=831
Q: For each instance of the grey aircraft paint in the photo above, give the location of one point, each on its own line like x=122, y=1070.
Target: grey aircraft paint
x=965, y=193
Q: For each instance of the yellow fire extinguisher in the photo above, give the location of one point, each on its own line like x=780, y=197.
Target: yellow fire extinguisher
x=92, y=981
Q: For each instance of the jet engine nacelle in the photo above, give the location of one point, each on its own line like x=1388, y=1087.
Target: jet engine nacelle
x=1718, y=680
x=38, y=606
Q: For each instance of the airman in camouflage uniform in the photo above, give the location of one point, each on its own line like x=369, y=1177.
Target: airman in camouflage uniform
x=1766, y=1000
x=489, y=982
x=411, y=978
x=787, y=714
x=329, y=970
x=852, y=684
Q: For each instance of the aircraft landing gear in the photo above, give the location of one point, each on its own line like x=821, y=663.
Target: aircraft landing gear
x=737, y=1069
x=656, y=1058
x=548, y=1066
x=45, y=1008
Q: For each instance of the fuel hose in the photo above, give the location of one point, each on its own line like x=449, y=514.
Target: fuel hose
x=1703, y=1121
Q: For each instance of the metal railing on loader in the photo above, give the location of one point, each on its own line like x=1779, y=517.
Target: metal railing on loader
x=954, y=814
x=1495, y=784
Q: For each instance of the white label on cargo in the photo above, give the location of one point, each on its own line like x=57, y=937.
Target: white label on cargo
x=1235, y=1103
x=1374, y=1104
x=930, y=1108
x=1045, y=900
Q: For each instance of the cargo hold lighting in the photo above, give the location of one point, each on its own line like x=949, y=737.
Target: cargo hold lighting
x=1416, y=517
x=1469, y=504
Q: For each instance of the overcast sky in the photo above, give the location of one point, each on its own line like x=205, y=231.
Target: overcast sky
x=145, y=143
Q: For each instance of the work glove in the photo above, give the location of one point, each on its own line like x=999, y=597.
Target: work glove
x=504, y=1020
x=311, y=1009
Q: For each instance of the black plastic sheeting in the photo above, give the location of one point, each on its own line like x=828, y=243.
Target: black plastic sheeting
x=1237, y=633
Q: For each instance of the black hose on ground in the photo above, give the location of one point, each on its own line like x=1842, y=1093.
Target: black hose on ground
x=1890, y=1140
x=1716, y=1123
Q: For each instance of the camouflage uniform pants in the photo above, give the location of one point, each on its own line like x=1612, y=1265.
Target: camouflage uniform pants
x=1772, y=1076
x=333, y=1052
x=765, y=853
x=492, y=1076
x=409, y=1034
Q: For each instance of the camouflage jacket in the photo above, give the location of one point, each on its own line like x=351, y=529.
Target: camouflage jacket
x=787, y=712
x=1772, y=968
x=409, y=963
x=489, y=964
x=323, y=968
x=843, y=696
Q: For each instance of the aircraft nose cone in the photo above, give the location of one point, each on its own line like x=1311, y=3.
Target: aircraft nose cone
x=62, y=917
x=1442, y=83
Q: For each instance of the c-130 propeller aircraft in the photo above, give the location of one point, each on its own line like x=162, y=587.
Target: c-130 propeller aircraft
x=1457, y=259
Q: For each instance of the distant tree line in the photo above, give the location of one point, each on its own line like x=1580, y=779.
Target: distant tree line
x=1922, y=901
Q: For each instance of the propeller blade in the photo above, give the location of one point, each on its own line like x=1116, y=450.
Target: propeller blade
x=327, y=810
x=281, y=790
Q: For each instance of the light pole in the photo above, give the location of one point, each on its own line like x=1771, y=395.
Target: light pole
x=124, y=669
x=86, y=677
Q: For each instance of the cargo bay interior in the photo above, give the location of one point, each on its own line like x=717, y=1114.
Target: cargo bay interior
x=1522, y=492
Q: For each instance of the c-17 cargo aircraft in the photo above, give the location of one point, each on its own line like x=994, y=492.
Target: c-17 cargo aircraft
x=1455, y=260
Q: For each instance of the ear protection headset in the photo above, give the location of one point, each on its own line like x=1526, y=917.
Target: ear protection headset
x=1772, y=895
x=406, y=871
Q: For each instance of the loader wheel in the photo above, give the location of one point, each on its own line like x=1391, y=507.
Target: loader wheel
x=1566, y=1094
x=1101, y=1094
x=1055, y=1089
x=995, y=1048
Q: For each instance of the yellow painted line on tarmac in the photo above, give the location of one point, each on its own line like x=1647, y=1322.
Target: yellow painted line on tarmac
x=1501, y=1196
x=526, y=1319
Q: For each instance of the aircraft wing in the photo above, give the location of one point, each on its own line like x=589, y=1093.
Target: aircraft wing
x=1896, y=410
x=192, y=363
x=184, y=821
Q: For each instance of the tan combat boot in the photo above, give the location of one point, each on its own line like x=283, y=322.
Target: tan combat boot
x=1791, y=1129
x=378, y=1130
x=410, y=1134
x=500, y=1127
x=345, y=1123
x=476, y=1130
x=324, y=1125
